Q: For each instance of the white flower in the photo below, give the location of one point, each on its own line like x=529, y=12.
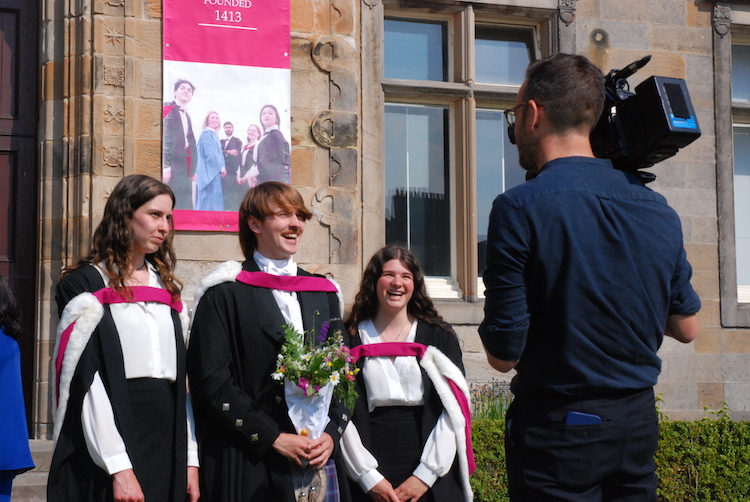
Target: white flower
x=277, y=375
x=306, y=357
x=335, y=378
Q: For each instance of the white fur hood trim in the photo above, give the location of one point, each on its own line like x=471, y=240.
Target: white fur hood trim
x=225, y=272
x=86, y=311
x=439, y=369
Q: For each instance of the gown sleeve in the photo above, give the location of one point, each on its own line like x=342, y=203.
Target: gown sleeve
x=103, y=441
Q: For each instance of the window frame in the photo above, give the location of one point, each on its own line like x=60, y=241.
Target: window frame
x=461, y=95
x=734, y=314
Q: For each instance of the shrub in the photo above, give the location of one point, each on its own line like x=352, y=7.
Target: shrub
x=703, y=461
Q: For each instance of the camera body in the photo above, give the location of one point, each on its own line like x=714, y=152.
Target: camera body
x=637, y=130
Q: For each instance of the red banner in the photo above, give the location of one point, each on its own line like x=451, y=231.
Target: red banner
x=227, y=105
x=230, y=32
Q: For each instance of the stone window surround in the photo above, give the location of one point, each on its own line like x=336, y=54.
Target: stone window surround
x=462, y=97
x=733, y=313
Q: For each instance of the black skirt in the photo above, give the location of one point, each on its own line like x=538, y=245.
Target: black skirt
x=397, y=442
x=153, y=454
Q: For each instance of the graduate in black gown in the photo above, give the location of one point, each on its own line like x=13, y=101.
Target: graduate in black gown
x=249, y=446
x=123, y=424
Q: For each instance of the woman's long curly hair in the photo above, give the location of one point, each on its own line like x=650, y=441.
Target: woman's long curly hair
x=10, y=314
x=366, y=302
x=113, y=238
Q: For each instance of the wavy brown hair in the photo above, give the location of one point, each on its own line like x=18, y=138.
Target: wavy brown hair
x=113, y=238
x=366, y=302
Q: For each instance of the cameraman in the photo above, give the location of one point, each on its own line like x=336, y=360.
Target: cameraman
x=586, y=272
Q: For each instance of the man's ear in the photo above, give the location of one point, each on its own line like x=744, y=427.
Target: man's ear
x=535, y=112
x=254, y=224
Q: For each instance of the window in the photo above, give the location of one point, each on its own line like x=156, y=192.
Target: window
x=741, y=151
x=732, y=131
x=447, y=76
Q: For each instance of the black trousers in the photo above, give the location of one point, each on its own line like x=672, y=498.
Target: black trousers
x=549, y=460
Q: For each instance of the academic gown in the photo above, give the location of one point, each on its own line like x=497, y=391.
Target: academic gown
x=448, y=487
x=73, y=474
x=239, y=409
x=209, y=196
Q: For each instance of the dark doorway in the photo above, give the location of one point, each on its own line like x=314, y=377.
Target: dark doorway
x=19, y=110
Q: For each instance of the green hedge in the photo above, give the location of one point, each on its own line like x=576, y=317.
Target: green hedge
x=703, y=461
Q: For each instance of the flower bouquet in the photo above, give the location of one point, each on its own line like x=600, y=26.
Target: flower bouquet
x=313, y=373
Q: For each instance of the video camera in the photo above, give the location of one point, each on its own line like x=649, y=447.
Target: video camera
x=638, y=130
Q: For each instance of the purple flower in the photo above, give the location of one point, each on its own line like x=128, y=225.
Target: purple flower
x=324, y=332
x=303, y=384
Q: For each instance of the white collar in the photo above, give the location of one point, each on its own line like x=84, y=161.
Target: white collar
x=275, y=266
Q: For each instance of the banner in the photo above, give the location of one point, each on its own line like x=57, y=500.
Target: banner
x=227, y=101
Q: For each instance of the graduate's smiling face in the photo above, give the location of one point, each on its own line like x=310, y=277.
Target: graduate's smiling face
x=395, y=286
x=278, y=234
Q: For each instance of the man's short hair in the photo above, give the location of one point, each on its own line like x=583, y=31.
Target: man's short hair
x=183, y=81
x=259, y=202
x=225, y=124
x=571, y=89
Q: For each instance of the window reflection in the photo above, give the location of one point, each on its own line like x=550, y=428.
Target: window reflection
x=740, y=72
x=502, y=54
x=742, y=201
x=417, y=211
x=497, y=171
x=415, y=50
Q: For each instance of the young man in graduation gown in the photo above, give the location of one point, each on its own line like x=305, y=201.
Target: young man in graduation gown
x=248, y=444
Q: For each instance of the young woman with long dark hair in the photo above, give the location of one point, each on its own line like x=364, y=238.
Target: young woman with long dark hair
x=123, y=424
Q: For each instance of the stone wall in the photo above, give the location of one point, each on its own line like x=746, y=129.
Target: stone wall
x=101, y=120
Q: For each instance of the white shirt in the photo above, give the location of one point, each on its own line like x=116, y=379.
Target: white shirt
x=148, y=351
x=396, y=383
x=286, y=300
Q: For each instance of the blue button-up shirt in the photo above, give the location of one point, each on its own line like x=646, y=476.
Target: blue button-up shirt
x=584, y=264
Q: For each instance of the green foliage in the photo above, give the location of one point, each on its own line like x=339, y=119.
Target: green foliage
x=706, y=460
x=490, y=480
x=313, y=365
x=703, y=461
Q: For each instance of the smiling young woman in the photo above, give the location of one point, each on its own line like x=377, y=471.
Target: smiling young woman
x=392, y=320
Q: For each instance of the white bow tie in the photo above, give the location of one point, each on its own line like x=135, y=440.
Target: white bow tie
x=276, y=268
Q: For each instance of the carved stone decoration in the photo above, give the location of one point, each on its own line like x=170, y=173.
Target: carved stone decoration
x=343, y=167
x=114, y=75
x=342, y=17
x=115, y=3
x=113, y=36
x=335, y=208
x=344, y=92
x=722, y=19
x=371, y=3
x=118, y=116
x=567, y=11
x=114, y=156
x=335, y=129
x=330, y=52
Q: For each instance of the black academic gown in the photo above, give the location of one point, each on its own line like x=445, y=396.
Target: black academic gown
x=448, y=487
x=73, y=474
x=239, y=409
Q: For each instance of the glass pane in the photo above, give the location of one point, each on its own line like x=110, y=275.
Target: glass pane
x=417, y=210
x=742, y=202
x=415, y=50
x=497, y=170
x=741, y=73
x=502, y=54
